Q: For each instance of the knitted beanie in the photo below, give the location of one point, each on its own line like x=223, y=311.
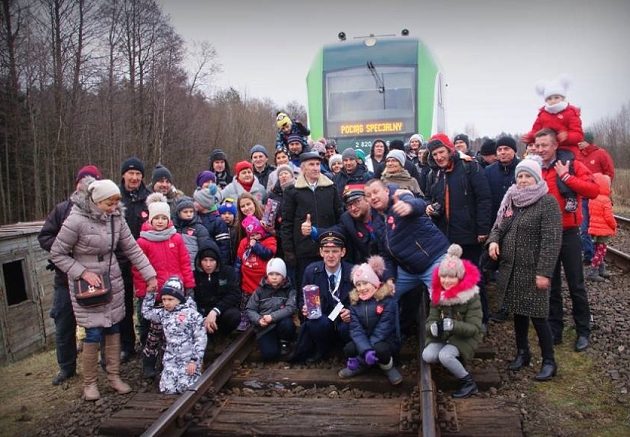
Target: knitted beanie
x=158, y=206
x=462, y=137
x=242, y=165
x=531, y=165
x=349, y=153
x=184, y=203
x=452, y=265
x=440, y=140
x=252, y=226
x=132, y=163
x=282, y=119
x=88, y=170
x=174, y=287
x=284, y=168
x=489, y=147
x=507, y=141
x=369, y=271
x=398, y=155
x=160, y=172
x=335, y=158
x=204, y=198
x=227, y=206
x=416, y=137
x=205, y=176
x=258, y=148
x=103, y=189
x=276, y=265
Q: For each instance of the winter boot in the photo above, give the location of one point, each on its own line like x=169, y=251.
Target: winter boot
x=112, y=355
x=392, y=373
x=90, y=372
x=547, y=371
x=522, y=359
x=593, y=275
x=467, y=387
x=148, y=366
x=602, y=271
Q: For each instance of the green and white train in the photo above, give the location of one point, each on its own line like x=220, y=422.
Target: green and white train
x=376, y=87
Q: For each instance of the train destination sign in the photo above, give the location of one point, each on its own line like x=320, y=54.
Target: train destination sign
x=376, y=127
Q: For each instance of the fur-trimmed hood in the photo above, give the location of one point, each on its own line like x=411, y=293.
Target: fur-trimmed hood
x=461, y=293
x=84, y=205
x=322, y=181
x=384, y=291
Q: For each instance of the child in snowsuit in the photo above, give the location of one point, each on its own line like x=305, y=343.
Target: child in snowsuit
x=601, y=227
x=185, y=336
x=168, y=255
x=453, y=327
x=564, y=119
x=373, y=323
x=254, y=251
x=270, y=310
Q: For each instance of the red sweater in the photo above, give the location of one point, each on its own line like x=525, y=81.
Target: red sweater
x=564, y=121
x=254, y=267
x=169, y=257
x=581, y=182
x=597, y=160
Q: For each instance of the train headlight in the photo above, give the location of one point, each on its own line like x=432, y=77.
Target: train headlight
x=369, y=42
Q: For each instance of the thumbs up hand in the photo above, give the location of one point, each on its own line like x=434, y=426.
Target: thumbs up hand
x=307, y=227
x=401, y=207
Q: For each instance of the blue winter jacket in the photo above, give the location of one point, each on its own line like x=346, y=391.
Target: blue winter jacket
x=315, y=274
x=500, y=178
x=412, y=242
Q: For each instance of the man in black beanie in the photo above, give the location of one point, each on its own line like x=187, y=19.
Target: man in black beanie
x=487, y=153
x=134, y=195
x=462, y=143
x=162, y=182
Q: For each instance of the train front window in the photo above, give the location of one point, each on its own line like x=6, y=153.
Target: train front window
x=355, y=94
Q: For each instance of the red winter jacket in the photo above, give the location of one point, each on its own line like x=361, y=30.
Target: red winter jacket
x=254, y=267
x=168, y=257
x=601, y=220
x=581, y=182
x=564, y=121
x=597, y=160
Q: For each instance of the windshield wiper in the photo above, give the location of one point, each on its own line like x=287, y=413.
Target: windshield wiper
x=378, y=79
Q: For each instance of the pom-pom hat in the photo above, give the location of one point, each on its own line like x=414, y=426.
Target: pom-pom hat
x=158, y=206
x=252, y=226
x=452, y=265
x=369, y=271
x=556, y=87
x=174, y=287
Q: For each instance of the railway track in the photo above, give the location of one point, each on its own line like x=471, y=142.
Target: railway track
x=232, y=399
x=614, y=254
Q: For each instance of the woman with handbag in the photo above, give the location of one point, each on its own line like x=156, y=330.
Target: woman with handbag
x=84, y=250
x=526, y=239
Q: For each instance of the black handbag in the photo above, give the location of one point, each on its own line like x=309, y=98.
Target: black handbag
x=88, y=295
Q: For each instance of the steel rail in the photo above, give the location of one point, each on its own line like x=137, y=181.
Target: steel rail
x=427, y=395
x=174, y=421
x=618, y=257
x=621, y=219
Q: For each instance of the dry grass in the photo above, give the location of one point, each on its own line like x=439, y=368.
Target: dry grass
x=27, y=398
x=621, y=191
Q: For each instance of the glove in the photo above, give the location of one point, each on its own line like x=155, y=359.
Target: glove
x=447, y=324
x=434, y=329
x=353, y=363
x=370, y=357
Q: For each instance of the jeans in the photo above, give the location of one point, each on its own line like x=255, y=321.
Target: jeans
x=587, y=241
x=269, y=343
x=65, y=330
x=406, y=281
x=95, y=335
x=571, y=259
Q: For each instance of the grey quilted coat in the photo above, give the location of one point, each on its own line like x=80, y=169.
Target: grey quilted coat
x=85, y=243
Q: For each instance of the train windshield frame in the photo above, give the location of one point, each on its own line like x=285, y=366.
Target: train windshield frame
x=363, y=100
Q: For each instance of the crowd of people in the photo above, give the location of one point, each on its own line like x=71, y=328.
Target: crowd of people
x=324, y=251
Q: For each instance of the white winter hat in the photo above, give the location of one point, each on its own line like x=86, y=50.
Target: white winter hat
x=398, y=155
x=103, y=189
x=276, y=265
x=158, y=206
x=555, y=87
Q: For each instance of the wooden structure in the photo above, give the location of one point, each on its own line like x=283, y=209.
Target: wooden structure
x=26, y=292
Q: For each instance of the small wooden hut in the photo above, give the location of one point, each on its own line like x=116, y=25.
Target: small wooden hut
x=26, y=292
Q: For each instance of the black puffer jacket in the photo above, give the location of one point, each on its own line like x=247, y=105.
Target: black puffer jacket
x=49, y=232
x=217, y=290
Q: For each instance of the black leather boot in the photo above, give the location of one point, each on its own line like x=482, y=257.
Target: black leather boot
x=547, y=371
x=522, y=359
x=148, y=367
x=467, y=387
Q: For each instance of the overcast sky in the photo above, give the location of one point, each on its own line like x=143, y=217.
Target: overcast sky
x=493, y=52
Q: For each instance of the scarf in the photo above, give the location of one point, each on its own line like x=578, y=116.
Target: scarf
x=520, y=198
x=248, y=187
x=558, y=107
x=157, y=236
